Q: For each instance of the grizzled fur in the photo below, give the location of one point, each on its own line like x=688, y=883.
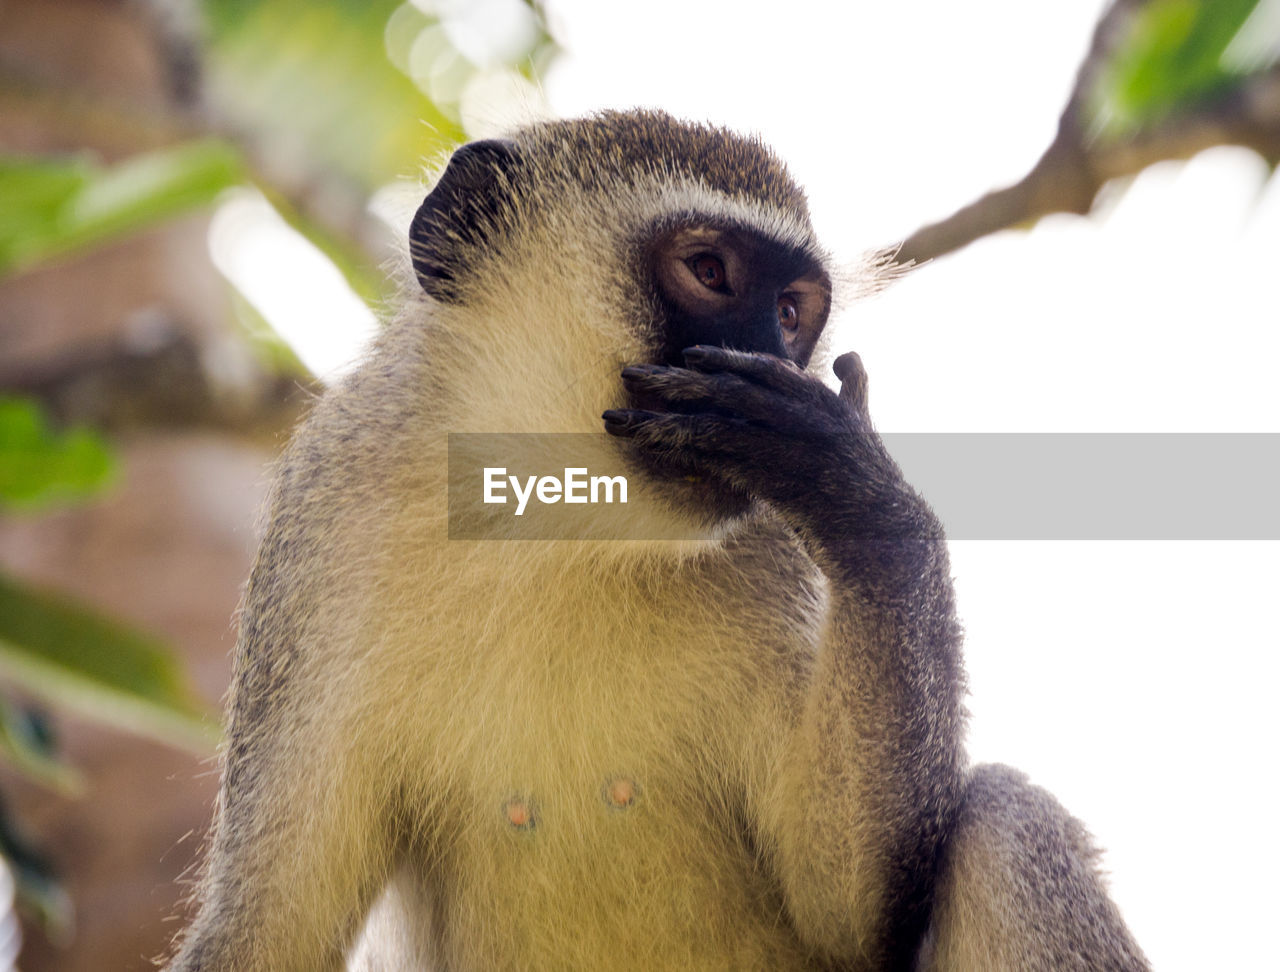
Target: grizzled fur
x=739, y=752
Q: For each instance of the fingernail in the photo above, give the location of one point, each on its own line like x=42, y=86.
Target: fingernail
x=618, y=423
x=640, y=371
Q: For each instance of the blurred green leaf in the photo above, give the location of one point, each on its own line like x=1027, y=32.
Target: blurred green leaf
x=40, y=466
x=25, y=745
x=1172, y=54
x=315, y=75
x=156, y=185
x=53, y=205
x=66, y=654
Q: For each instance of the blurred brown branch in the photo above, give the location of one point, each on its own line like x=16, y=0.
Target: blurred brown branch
x=1067, y=177
x=165, y=381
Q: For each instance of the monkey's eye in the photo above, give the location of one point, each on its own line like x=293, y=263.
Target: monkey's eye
x=709, y=269
x=788, y=313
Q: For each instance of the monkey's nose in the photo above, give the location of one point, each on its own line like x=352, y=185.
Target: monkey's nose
x=756, y=333
x=762, y=336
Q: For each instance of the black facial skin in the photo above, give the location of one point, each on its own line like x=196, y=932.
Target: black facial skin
x=727, y=406
x=726, y=286
x=718, y=286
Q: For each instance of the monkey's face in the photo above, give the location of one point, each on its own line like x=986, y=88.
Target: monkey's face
x=724, y=285
x=575, y=248
x=731, y=287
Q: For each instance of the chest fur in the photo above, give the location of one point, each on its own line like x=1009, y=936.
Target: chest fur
x=584, y=741
x=574, y=688
x=596, y=805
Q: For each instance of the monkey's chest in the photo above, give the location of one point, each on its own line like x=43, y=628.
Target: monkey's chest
x=593, y=821
x=568, y=754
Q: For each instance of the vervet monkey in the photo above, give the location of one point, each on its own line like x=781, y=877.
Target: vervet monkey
x=739, y=751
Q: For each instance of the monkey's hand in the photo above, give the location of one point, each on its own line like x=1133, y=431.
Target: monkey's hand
x=764, y=427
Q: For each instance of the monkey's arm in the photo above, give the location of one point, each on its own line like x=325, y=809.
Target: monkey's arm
x=1020, y=888
x=299, y=847
x=872, y=773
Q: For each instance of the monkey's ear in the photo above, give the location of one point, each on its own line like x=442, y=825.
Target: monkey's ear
x=461, y=211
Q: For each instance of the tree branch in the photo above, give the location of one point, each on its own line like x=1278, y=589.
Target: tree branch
x=121, y=386
x=1066, y=179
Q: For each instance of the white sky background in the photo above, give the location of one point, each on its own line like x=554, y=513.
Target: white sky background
x=1135, y=680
